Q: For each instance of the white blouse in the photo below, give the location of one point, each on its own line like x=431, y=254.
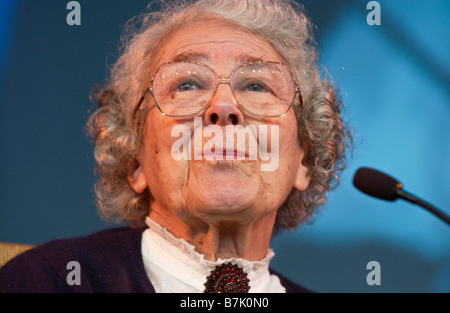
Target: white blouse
x=173, y=265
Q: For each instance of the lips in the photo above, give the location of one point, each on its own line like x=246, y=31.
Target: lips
x=230, y=154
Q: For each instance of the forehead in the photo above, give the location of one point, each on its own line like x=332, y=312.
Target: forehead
x=216, y=44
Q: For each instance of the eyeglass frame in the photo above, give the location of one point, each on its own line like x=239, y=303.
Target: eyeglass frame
x=221, y=80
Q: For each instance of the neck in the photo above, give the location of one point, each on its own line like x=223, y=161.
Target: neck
x=221, y=239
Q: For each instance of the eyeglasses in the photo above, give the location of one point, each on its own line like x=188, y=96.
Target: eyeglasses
x=184, y=89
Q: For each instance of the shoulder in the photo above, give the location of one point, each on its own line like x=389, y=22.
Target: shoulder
x=290, y=286
x=106, y=261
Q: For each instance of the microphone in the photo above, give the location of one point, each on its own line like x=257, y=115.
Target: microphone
x=380, y=185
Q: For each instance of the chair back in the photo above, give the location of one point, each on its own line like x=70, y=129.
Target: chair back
x=10, y=250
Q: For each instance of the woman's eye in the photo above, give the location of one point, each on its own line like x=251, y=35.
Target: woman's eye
x=187, y=86
x=255, y=88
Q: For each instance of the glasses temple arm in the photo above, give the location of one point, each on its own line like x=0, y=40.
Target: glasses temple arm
x=138, y=105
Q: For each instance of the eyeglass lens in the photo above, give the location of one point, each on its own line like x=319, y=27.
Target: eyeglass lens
x=183, y=88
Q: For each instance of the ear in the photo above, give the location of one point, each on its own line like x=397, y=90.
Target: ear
x=137, y=179
x=302, y=177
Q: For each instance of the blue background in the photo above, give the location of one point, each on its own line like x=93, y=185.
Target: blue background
x=394, y=80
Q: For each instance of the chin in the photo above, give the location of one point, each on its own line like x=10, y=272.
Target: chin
x=225, y=188
x=227, y=195
x=231, y=193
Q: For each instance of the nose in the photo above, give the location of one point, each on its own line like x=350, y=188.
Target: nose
x=223, y=109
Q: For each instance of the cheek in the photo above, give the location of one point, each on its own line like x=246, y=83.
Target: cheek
x=158, y=138
x=288, y=141
x=289, y=147
x=162, y=170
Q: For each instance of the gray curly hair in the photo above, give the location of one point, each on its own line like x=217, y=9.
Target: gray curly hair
x=118, y=136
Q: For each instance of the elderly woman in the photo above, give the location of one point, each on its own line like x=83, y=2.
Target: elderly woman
x=214, y=131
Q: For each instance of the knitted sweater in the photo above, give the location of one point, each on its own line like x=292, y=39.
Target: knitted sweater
x=109, y=261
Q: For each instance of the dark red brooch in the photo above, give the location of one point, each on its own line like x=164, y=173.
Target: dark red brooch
x=227, y=278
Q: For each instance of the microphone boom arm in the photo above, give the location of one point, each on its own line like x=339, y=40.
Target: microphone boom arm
x=413, y=199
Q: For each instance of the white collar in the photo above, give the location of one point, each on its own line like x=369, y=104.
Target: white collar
x=173, y=265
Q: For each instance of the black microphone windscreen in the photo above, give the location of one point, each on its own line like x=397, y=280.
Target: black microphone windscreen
x=375, y=184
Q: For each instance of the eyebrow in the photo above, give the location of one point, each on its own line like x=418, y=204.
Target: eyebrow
x=246, y=58
x=189, y=56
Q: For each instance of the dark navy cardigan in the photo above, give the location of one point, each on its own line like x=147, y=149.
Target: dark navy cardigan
x=110, y=261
